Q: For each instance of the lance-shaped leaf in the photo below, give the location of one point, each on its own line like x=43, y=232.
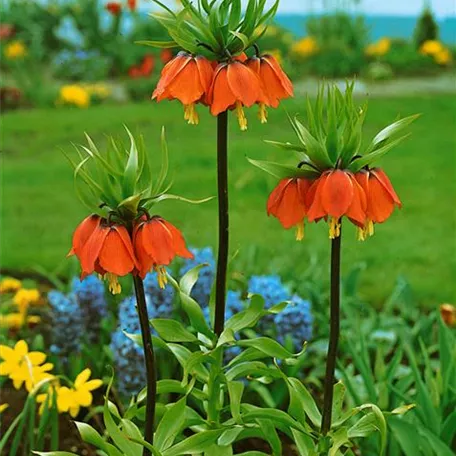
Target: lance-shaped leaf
x=283, y=171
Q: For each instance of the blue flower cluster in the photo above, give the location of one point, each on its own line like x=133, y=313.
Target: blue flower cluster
x=295, y=323
x=161, y=298
x=128, y=356
x=67, y=323
x=201, y=292
x=90, y=293
x=273, y=292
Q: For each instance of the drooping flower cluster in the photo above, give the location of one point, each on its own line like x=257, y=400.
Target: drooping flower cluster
x=201, y=291
x=333, y=179
x=226, y=85
x=212, y=68
x=67, y=324
x=90, y=293
x=108, y=249
x=294, y=323
x=365, y=198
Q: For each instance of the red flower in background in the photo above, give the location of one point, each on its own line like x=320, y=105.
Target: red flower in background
x=132, y=5
x=275, y=83
x=144, y=69
x=7, y=31
x=156, y=243
x=334, y=194
x=187, y=79
x=234, y=86
x=165, y=56
x=104, y=248
x=287, y=202
x=114, y=8
x=381, y=198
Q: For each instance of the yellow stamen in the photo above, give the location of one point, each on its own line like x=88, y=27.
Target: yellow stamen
x=300, y=231
x=370, y=227
x=190, y=114
x=162, y=278
x=360, y=234
x=334, y=227
x=241, y=116
x=263, y=113
x=114, y=285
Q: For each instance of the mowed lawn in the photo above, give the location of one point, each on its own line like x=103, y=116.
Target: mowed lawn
x=40, y=210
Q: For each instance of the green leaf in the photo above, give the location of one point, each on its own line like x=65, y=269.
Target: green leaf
x=271, y=436
x=246, y=318
x=304, y=443
x=276, y=416
x=302, y=404
x=338, y=400
x=188, y=280
x=172, y=330
x=402, y=431
x=182, y=355
x=390, y=131
x=268, y=346
x=195, y=444
x=339, y=439
x=92, y=437
x=170, y=425
x=283, y=171
x=286, y=146
x=235, y=391
x=229, y=436
x=54, y=453
x=158, y=44
x=131, y=168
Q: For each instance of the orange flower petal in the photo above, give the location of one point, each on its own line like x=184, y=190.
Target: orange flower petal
x=337, y=193
x=220, y=95
x=244, y=83
x=357, y=210
x=91, y=249
x=313, y=199
x=380, y=202
x=83, y=232
x=145, y=261
x=157, y=241
x=178, y=241
x=169, y=72
x=186, y=86
x=289, y=207
x=383, y=178
x=114, y=256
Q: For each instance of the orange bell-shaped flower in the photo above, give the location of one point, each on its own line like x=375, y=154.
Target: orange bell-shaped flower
x=108, y=251
x=287, y=202
x=234, y=86
x=114, y=8
x=334, y=194
x=83, y=232
x=275, y=83
x=187, y=79
x=156, y=243
x=381, y=198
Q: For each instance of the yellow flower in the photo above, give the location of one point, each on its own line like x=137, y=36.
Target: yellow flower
x=24, y=298
x=98, y=90
x=277, y=54
x=72, y=399
x=8, y=284
x=431, y=47
x=443, y=57
x=47, y=399
x=381, y=47
x=17, y=320
x=74, y=95
x=3, y=407
x=305, y=47
x=15, y=50
x=22, y=366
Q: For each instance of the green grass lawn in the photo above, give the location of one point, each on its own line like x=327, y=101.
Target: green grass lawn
x=40, y=210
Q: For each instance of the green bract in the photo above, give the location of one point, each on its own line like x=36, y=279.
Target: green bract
x=119, y=180
x=333, y=136
x=217, y=29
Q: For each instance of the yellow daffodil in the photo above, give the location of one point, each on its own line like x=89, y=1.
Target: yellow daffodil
x=25, y=298
x=3, y=407
x=47, y=399
x=15, y=50
x=381, y=47
x=22, y=366
x=17, y=320
x=9, y=285
x=74, y=95
x=431, y=47
x=443, y=57
x=305, y=47
x=72, y=399
x=98, y=90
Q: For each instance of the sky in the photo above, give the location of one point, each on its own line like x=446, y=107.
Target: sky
x=441, y=8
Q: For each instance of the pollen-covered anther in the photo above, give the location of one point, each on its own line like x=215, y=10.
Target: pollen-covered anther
x=263, y=113
x=161, y=276
x=190, y=114
x=114, y=285
x=242, y=119
x=300, y=231
x=334, y=228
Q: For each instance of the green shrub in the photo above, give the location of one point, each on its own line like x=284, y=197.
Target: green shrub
x=426, y=28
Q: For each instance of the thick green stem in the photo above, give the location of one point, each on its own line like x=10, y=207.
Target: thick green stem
x=334, y=334
x=149, y=362
x=222, y=187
